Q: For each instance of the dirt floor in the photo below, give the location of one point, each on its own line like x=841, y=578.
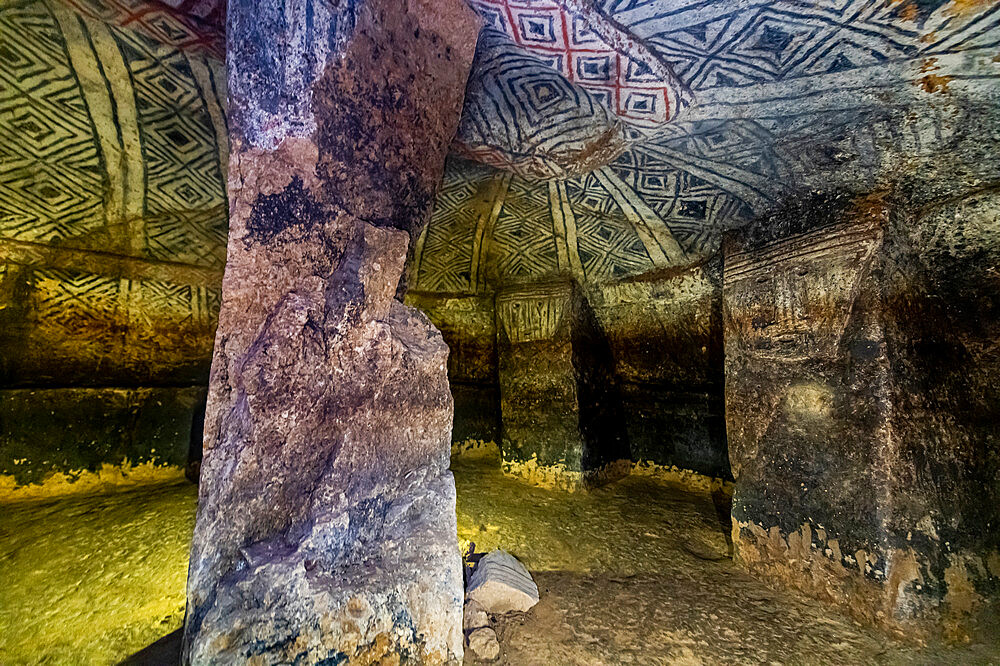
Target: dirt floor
x=633, y=573
x=90, y=580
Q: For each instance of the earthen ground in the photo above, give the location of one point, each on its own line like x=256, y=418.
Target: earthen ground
x=636, y=572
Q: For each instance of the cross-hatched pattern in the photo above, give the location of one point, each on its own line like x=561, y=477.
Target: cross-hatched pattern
x=695, y=210
x=523, y=243
x=154, y=302
x=609, y=247
x=179, y=149
x=192, y=237
x=80, y=305
x=446, y=260
x=51, y=186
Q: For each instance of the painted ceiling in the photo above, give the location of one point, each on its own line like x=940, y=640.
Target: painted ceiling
x=610, y=138
x=618, y=139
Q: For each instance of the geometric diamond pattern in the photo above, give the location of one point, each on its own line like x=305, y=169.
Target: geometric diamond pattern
x=523, y=242
x=445, y=264
x=51, y=188
x=58, y=188
x=636, y=87
x=185, y=191
x=172, y=27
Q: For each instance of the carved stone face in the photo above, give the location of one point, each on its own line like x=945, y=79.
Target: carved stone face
x=793, y=299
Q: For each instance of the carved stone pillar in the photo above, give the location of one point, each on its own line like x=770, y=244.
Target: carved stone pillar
x=557, y=400
x=326, y=524
x=856, y=402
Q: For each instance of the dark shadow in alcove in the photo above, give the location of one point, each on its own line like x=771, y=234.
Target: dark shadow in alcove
x=164, y=652
x=602, y=410
x=717, y=426
x=193, y=468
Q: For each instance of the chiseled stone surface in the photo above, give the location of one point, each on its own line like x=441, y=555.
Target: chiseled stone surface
x=561, y=419
x=501, y=584
x=326, y=526
x=859, y=409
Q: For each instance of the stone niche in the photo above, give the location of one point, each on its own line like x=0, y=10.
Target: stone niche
x=666, y=338
x=562, y=423
x=862, y=402
x=468, y=326
x=655, y=343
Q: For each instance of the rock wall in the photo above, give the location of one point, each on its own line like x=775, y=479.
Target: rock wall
x=655, y=341
x=112, y=235
x=326, y=528
x=665, y=335
x=859, y=404
x=468, y=326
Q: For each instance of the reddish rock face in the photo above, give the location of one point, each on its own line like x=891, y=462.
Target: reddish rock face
x=326, y=525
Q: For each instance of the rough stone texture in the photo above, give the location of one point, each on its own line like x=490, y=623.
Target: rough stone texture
x=663, y=338
x=468, y=325
x=501, y=584
x=326, y=525
x=665, y=333
x=63, y=434
x=483, y=644
x=556, y=406
x=474, y=616
x=859, y=410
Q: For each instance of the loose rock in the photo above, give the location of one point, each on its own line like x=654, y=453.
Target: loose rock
x=475, y=617
x=484, y=644
x=501, y=584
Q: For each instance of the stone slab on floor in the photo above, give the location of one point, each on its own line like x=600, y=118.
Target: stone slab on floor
x=501, y=584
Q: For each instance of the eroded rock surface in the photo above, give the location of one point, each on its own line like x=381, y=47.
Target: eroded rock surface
x=859, y=410
x=326, y=525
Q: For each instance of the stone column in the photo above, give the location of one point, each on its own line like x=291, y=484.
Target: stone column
x=326, y=523
x=857, y=398
x=559, y=422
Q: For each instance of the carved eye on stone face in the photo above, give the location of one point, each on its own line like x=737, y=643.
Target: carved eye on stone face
x=801, y=271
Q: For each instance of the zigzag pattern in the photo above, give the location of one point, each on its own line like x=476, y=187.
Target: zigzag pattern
x=608, y=247
x=50, y=171
x=77, y=303
x=696, y=211
x=104, y=133
x=793, y=97
x=162, y=302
